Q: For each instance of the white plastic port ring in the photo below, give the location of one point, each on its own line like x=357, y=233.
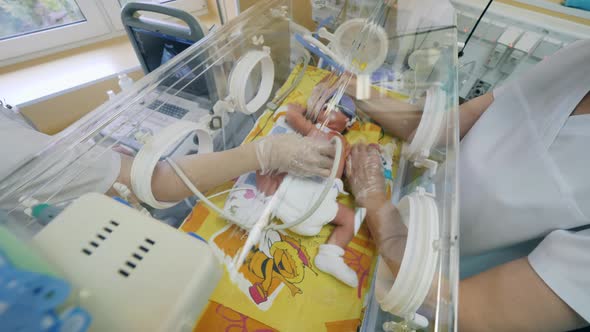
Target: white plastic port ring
x=146, y=159
x=238, y=80
x=430, y=126
x=418, y=267
x=373, y=38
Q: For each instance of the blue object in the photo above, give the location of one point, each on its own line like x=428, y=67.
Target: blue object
x=347, y=106
x=278, y=130
x=251, y=179
x=382, y=75
x=197, y=236
x=580, y=4
x=323, y=23
x=315, y=50
x=121, y=200
x=45, y=213
x=29, y=301
x=387, y=174
x=74, y=320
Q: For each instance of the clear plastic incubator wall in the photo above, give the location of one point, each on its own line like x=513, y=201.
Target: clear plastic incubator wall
x=257, y=252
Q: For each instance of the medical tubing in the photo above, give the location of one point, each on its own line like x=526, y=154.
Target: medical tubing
x=189, y=184
x=320, y=200
x=148, y=157
x=273, y=105
x=254, y=234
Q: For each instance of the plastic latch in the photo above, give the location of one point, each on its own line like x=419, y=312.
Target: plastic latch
x=216, y=123
x=430, y=165
x=258, y=40
x=224, y=106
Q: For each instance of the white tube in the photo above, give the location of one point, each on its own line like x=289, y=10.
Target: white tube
x=147, y=158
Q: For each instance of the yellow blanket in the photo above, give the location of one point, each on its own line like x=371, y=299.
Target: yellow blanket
x=304, y=299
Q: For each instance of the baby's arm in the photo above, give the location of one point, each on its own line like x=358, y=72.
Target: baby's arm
x=296, y=119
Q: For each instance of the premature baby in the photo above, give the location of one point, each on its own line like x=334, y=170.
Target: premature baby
x=296, y=195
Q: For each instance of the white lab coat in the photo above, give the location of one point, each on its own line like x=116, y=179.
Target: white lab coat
x=19, y=144
x=524, y=173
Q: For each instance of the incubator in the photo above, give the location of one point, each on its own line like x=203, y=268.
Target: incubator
x=382, y=74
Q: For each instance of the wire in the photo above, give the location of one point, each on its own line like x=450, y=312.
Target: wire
x=415, y=33
x=262, y=129
x=188, y=183
x=227, y=191
x=475, y=27
x=278, y=100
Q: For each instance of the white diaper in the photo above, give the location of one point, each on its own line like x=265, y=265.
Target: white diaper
x=297, y=195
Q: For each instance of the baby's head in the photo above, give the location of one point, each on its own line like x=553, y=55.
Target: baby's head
x=340, y=118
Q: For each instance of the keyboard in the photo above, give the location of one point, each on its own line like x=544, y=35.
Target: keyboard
x=168, y=109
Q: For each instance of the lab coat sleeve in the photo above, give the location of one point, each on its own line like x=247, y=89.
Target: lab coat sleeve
x=562, y=260
x=97, y=171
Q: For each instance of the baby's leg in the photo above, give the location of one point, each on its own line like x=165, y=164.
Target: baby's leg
x=269, y=183
x=344, y=230
x=330, y=257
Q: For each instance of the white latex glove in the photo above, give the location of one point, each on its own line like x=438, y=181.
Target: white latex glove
x=295, y=154
x=365, y=175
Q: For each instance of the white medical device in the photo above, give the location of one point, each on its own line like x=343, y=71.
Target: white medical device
x=131, y=272
x=164, y=109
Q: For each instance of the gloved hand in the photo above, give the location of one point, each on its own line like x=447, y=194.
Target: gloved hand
x=295, y=154
x=365, y=175
x=367, y=184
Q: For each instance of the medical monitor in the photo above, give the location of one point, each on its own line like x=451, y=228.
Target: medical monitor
x=157, y=42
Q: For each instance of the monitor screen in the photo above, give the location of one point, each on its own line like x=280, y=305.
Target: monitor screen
x=157, y=48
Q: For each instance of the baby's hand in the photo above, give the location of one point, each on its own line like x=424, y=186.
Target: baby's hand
x=296, y=108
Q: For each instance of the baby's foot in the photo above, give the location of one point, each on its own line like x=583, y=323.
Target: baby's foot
x=329, y=260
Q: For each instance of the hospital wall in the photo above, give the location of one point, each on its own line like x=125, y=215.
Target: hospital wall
x=53, y=115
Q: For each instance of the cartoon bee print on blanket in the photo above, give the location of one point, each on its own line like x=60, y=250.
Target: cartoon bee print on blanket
x=278, y=261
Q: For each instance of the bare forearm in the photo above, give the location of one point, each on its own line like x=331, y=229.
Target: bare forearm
x=512, y=297
x=206, y=171
x=397, y=118
x=388, y=231
x=401, y=119
x=472, y=110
